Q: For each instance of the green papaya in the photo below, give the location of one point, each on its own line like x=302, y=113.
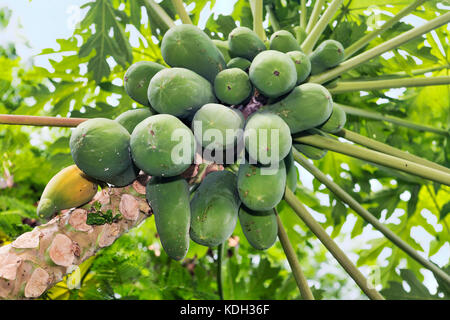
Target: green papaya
x=162, y=145
x=124, y=178
x=291, y=172
x=131, y=118
x=223, y=48
x=273, y=73
x=214, y=209
x=327, y=55
x=226, y=122
x=101, y=148
x=169, y=200
x=245, y=43
x=267, y=138
x=138, y=77
x=233, y=86
x=187, y=46
x=307, y=106
x=283, y=41
x=302, y=65
x=179, y=92
x=261, y=188
x=336, y=122
x=260, y=228
x=240, y=63
x=311, y=152
x=300, y=34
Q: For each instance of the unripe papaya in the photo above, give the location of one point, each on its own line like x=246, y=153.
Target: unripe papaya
x=223, y=48
x=336, y=122
x=300, y=34
x=307, y=106
x=124, y=178
x=273, y=73
x=169, y=200
x=131, y=118
x=267, y=138
x=233, y=86
x=156, y=147
x=179, y=92
x=69, y=188
x=311, y=152
x=261, y=188
x=240, y=63
x=302, y=65
x=214, y=209
x=138, y=77
x=291, y=172
x=245, y=43
x=187, y=46
x=228, y=124
x=101, y=148
x=260, y=227
x=283, y=41
x=327, y=55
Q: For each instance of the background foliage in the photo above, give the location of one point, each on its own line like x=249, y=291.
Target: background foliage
x=85, y=80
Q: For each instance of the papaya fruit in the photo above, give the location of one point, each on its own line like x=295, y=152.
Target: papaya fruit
x=267, y=138
x=187, y=46
x=137, y=77
x=327, y=55
x=261, y=188
x=284, y=41
x=179, y=92
x=300, y=34
x=233, y=86
x=273, y=73
x=302, y=65
x=307, y=106
x=156, y=147
x=228, y=124
x=69, y=188
x=260, y=227
x=214, y=209
x=101, y=148
x=223, y=48
x=311, y=152
x=336, y=122
x=131, y=118
x=240, y=63
x=245, y=43
x=124, y=178
x=291, y=172
x=169, y=200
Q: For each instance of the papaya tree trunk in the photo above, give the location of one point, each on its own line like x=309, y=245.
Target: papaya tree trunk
x=39, y=259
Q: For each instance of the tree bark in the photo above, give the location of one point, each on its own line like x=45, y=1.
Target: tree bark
x=39, y=259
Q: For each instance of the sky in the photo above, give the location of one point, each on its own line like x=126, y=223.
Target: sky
x=43, y=21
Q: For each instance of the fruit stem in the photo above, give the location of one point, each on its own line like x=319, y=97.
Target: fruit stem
x=379, y=146
x=332, y=247
x=314, y=15
x=40, y=121
x=181, y=10
x=387, y=25
x=151, y=5
x=380, y=49
x=399, y=121
x=376, y=157
x=289, y=251
x=220, y=250
x=272, y=18
x=349, y=86
x=366, y=215
x=303, y=14
x=257, y=11
x=319, y=27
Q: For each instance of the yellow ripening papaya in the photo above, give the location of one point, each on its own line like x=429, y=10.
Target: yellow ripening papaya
x=69, y=188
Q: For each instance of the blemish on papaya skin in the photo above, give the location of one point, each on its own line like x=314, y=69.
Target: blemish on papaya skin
x=276, y=73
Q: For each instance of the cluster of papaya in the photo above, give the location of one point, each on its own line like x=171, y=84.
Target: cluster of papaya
x=206, y=85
